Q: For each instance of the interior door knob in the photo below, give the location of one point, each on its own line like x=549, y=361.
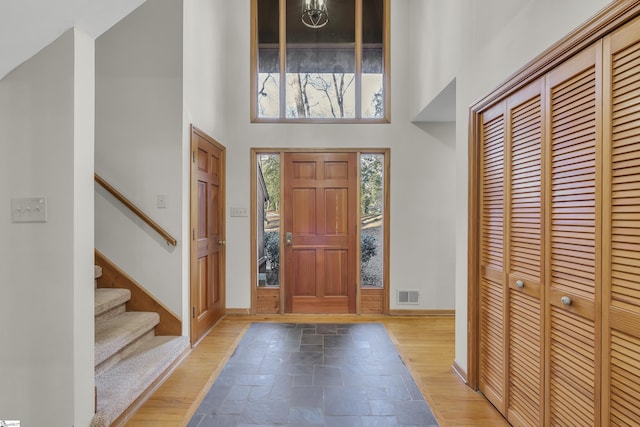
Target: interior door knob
x=520, y=284
x=288, y=237
x=566, y=300
x=222, y=242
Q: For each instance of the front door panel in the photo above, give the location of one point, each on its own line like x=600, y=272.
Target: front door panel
x=320, y=215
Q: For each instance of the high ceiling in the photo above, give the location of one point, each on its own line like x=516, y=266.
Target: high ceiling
x=340, y=28
x=27, y=26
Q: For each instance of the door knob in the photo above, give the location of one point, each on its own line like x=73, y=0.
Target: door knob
x=520, y=284
x=566, y=300
x=288, y=237
x=222, y=242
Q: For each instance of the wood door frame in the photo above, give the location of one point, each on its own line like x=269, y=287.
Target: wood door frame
x=385, y=220
x=608, y=19
x=193, y=215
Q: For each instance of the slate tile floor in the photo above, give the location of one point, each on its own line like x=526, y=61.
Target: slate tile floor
x=308, y=375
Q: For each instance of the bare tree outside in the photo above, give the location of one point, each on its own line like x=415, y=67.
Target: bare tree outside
x=268, y=94
x=318, y=95
x=378, y=104
x=339, y=86
x=299, y=85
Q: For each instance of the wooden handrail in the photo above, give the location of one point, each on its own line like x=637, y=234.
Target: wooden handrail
x=136, y=210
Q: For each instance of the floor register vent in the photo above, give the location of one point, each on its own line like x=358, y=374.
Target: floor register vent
x=408, y=297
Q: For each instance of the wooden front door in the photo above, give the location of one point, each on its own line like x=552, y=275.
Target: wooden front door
x=207, y=233
x=319, y=227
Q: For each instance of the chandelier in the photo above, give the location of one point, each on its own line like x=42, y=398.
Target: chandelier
x=314, y=13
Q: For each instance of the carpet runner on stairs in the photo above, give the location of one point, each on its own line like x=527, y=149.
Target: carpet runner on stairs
x=129, y=357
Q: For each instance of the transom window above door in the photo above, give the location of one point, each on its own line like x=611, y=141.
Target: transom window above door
x=335, y=58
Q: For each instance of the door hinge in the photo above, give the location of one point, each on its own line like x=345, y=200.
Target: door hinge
x=193, y=312
x=193, y=156
x=193, y=234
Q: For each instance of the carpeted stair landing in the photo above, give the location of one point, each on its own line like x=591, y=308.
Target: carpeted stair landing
x=129, y=357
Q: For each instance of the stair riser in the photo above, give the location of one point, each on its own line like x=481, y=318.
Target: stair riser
x=111, y=313
x=125, y=352
x=107, y=299
x=120, y=332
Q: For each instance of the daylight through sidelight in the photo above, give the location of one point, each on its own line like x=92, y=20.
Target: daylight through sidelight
x=371, y=220
x=268, y=216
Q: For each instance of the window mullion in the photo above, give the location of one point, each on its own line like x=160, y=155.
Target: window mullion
x=254, y=60
x=283, y=58
x=358, y=73
x=386, y=46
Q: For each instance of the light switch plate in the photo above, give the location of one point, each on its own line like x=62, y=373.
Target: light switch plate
x=29, y=209
x=162, y=201
x=238, y=212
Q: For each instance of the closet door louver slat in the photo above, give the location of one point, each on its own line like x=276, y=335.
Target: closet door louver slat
x=622, y=227
x=572, y=259
x=492, y=361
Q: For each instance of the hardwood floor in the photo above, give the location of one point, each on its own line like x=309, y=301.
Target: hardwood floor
x=425, y=343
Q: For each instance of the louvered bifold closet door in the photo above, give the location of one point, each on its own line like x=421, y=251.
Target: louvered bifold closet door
x=572, y=251
x=525, y=404
x=492, y=273
x=621, y=228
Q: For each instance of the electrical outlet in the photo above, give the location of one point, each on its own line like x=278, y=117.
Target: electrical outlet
x=29, y=209
x=238, y=212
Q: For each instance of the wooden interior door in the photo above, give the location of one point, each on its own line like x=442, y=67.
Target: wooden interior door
x=511, y=321
x=525, y=320
x=573, y=240
x=319, y=230
x=621, y=228
x=207, y=233
x=492, y=335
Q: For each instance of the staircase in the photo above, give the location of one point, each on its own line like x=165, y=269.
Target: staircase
x=130, y=359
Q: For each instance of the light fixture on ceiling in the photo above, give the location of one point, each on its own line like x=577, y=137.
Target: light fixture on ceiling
x=314, y=13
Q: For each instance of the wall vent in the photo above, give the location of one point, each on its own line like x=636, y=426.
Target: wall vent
x=408, y=297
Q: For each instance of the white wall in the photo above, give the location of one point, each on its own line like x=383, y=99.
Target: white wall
x=139, y=145
x=422, y=168
x=484, y=42
x=204, y=38
x=46, y=285
x=83, y=225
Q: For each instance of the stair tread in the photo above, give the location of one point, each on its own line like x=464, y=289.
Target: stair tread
x=109, y=298
x=121, y=385
x=116, y=333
